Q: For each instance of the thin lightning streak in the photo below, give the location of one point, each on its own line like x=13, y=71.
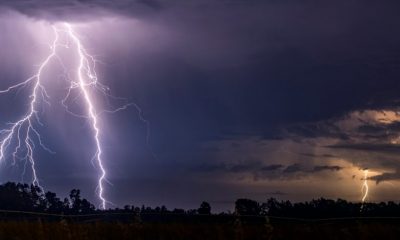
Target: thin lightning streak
x=86, y=78
x=365, y=188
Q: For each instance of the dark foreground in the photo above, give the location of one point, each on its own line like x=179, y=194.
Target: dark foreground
x=175, y=231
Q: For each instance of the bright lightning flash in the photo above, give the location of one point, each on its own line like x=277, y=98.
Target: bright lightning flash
x=365, y=188
x=22, y=135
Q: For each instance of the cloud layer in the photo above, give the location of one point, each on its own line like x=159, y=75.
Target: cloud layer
x=79, y=9
x=243, y=97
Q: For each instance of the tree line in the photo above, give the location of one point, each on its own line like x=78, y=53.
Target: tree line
x=30, y=198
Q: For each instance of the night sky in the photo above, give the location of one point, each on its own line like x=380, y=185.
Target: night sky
x=242, y=98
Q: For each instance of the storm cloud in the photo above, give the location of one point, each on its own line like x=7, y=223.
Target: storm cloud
x=237, y=93
x=79, y=9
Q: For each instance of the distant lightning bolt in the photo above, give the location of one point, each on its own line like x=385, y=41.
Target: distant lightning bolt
x=23, y=133
x=365, y=188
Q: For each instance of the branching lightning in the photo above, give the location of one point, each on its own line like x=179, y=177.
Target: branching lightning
x=22, y=135
x=23, y=129
x=365, y=188
x=86, y=78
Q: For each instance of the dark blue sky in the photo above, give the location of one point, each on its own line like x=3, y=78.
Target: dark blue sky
x=244, y=98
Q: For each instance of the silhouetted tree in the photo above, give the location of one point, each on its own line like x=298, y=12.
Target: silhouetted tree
x=178, y=211
x=205, y=208
x=54, y=204
x=80, y=205
x=192, y=212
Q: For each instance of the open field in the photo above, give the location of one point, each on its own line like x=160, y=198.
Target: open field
x=98, y=230
x=283, y=230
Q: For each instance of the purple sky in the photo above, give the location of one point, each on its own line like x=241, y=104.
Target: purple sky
x=251, y=99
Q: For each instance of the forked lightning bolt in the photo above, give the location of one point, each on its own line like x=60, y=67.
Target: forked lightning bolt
x=365, y=188
x=22, y=135
x=86, y=78
x=23, y=130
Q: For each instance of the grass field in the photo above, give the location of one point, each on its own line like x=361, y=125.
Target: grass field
x=99, y=230
x=175, y=231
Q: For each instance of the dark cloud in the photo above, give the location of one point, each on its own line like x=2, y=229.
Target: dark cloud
x=242, y=168
x=294, y=168
x=278, y=53
x=316, y=130
x=80, y=9
x=258, y=169
x=326, y=155
x=293, y=171
x=272, y=167
x=356, y=125
x=373, y=147
x=387, y=176
x=297, y=168
x=380, y=131
x=326, y=168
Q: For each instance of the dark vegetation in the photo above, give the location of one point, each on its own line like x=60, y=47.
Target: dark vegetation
x=28, y=213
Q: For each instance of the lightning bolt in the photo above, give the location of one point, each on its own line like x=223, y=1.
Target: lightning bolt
x=364, y=188
x=86, y=78
x=22, y=135
x=24, y=130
